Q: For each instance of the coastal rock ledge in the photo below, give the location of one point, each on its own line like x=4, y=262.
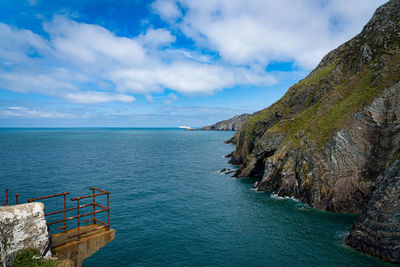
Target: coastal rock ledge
x=333, y=140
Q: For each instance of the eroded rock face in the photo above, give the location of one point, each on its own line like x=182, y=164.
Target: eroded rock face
x=232, y=124
x=21, y=226
x=377, y=230
x=341, y=175
x=333, y=133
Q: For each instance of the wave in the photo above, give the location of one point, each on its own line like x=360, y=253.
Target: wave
x=275, y=196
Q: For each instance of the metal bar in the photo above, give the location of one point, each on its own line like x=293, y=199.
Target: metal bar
x=108, y=210
x=101, y=206
x=85, y=221
x=77, y=211
x=45, y=197
x=77, y=216
x=90, y=213
x=59, y=211
x=103, y=223
x=101, y=190
x=94, y=205
x=6, y=197
x=73, y=208
x=60, y=221
x=83, y=197
x=16, y=198
x=59, y=228
x=65, y=213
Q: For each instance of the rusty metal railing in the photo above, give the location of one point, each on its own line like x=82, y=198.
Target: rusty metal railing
x=56, y=212
x=6, y=202
x=78, y=207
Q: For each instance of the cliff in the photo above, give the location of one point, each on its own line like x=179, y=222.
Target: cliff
x=232, y=124
x=377, y=230
x=333, y=134
x=329, y=137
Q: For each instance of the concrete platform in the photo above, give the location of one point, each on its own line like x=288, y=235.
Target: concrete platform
x=77, y=250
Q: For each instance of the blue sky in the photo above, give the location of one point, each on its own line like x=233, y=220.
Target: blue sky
x=161, y=63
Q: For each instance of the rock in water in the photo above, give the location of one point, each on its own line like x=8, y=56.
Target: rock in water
x=377, y=230
x=332, y=134
x=233, y=124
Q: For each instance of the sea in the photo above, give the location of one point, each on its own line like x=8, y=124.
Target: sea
x=169, y=203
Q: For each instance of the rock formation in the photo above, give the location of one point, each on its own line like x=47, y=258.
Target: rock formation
x=21, y=227
x=232, y=124
x=377, y=230
x=330, y=137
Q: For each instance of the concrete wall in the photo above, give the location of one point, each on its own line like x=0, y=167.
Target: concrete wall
x=21, y=226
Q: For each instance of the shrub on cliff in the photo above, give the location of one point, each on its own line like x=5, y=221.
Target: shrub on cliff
x=32, y=258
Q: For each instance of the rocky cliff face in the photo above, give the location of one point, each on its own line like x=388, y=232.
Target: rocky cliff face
x=21, y=227
x=333, y=140
x=232, y=124
x=332, y=134
x=377, y=230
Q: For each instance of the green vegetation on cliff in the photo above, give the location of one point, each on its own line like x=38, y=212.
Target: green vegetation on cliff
x=320, y=121
x=32, y=258
x=332, y=133
x=330, y=138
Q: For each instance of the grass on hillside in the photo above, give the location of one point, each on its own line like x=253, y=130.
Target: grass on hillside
x=31, y=258
x=321, y=120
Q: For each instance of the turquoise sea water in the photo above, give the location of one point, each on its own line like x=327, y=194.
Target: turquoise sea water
x=169, y=204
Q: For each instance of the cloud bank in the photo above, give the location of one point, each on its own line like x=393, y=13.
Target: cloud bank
x=86, y=63
x=202, y=47
x=260, y=31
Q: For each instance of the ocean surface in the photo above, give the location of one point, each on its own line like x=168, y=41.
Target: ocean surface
x=169, y=204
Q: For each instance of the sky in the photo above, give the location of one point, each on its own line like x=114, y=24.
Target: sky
x=162, y=63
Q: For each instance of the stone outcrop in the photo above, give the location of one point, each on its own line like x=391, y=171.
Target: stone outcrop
x=331, y=140
x=232, y=124
x=21, y=226
x=333, y=133
x=377, y=230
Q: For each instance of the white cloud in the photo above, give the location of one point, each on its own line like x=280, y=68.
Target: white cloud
x=168, y=10
x=32, y=2
x=172, y=96
x=94, y=97
x=16, y=44
x=156, y=37
x=90, y=43
x=150, y=98
x=79, y=56
x=258, y=31
x=30, y=113
x=235, y=41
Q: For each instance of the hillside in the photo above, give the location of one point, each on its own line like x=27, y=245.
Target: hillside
x=330, y=137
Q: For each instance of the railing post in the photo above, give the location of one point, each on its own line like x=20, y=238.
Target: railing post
x=77, y=210
x=16, y=198
x=94, y=207
x=6, y=197
x=108, y=211
x=65, y=213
